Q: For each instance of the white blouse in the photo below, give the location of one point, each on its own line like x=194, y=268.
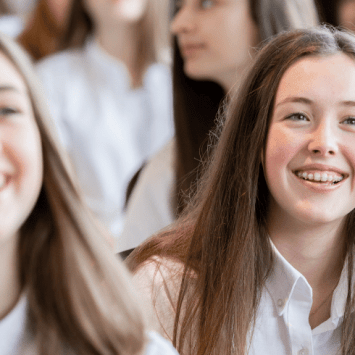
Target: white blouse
x=14, y=339
x=282, y=325
x=150, y=207
x=107, y=128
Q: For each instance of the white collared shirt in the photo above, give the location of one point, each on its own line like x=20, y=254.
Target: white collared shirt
x=282, y=325
x=12, y=329
x=15, y=339
x=107, y=128
x=151, y=206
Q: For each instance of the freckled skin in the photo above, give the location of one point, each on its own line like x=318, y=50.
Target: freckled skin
x=313, y=130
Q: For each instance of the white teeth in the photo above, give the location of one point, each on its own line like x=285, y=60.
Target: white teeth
x=323, y=177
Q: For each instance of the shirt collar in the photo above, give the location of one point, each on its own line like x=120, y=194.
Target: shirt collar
x=12, y=327
x=109, y=65
x=284, y=278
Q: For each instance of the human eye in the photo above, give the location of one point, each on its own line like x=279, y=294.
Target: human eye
x=8, y=111
x=297, y=117
x=206, y=4
x=349, y=121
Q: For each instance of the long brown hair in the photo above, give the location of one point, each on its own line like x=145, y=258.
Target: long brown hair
x=43, y=35
x=221, y=239
x=79, y=295
x=196, y=103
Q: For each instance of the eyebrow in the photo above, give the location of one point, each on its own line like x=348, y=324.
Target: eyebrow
x=306, y=101
x=4, y=88
x=296, y=99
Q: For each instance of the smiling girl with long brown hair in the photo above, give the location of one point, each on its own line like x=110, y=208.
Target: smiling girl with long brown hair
x=262, y=260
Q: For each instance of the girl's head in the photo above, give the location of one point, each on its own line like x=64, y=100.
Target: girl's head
x=216, y=37
x=293, y=116
x=338, y=13
x=21, y=152
x=79, y=296
x=149, y=16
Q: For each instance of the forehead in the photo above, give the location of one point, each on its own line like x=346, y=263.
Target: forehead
x=9, y=75
x=332, y=75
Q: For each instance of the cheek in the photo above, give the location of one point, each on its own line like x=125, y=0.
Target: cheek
x=30, y=161
x=280, y=150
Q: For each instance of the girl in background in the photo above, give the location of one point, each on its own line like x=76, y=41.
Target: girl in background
x=62, y=290
x=262, y=261
x=214, y=41
x=110, y=94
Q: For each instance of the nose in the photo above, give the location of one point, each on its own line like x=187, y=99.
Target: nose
x=324, y=141
x=183, y=21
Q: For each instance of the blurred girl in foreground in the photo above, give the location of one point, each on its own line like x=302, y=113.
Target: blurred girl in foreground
x=61, y=288
x=262, y=262
x=214, y=43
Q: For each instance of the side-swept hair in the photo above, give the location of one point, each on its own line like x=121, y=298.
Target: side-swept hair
x=79, y=295
x=222, y=238
x=196, y=102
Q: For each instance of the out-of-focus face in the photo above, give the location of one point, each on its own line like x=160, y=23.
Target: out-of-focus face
x=215, y=38
x=21, y=162
x=309, y=159
x=346, y=14
x=110, y=12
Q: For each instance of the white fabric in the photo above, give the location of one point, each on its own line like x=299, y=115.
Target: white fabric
x=159, y=346
x=14, y=338
x=282, y=325
x=150, y=207
x=11, y=25
x=107, y=128
x=12, y=329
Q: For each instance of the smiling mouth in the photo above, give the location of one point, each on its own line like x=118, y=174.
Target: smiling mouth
x=320, y=177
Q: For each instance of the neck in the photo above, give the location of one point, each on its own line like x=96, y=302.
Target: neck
x=122, y=43
x=317, y=252
x=9, y=277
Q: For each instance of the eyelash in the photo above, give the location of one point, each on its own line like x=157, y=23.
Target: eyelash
x=350, y=119
x=298, y=115
x=209, y=2
x=6, y=111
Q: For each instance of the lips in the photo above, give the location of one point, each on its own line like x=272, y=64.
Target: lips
x=320, y=174
x=188, y=49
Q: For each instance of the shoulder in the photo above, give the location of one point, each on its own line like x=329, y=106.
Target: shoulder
x=150, y=207
x=159, y=346
x=59, y=64
x=161, y=165
x=158, y=281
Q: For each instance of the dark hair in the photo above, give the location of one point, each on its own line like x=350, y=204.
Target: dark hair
x=196, y=103
x=43, y=35
x=328, y=11
x=226, y=222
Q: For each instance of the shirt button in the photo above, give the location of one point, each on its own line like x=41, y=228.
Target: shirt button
x=281, y=303
x=303, y=352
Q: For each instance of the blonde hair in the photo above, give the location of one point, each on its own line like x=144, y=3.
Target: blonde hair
x=79, y=296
